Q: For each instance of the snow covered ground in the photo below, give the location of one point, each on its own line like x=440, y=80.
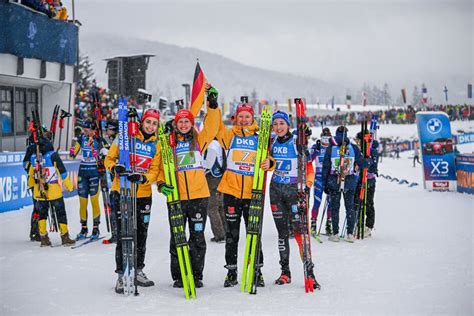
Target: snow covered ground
x=419, y=261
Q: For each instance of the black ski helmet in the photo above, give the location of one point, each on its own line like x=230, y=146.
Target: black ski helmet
x=326, y=132
x=112, y=125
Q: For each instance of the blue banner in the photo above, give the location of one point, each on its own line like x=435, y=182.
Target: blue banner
x=437, y=150
x=29, y=34
x=14, y=193
x=464, y=138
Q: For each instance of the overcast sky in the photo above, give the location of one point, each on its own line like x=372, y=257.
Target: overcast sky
x=346, y=41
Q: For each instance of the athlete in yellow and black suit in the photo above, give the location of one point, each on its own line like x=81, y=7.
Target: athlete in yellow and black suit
x=54, y=173
x=88, y=178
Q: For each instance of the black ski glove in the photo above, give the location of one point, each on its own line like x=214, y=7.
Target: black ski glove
x=119, y=169
x=212, y=98
x=137, y=178
x=307, y=189
x=132, y=112
x=307, y=130
x=169, y=126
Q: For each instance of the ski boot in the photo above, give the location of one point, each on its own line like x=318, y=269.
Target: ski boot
x=198, y=283
x=231, y=278
x=329, y=227
x=95, y=233
x=178, y=283
x=35, y=236
x=34, y=232
x=142, y=279
x=285, y=278
x=316, y=285
x=350, y=238
x=111, y=240
x=45, y=242
x=314, y=231
x=260, y=282
x=66, y=241
x=82, y=234
x=334, y=237
x=119, y=284
x=367, y=232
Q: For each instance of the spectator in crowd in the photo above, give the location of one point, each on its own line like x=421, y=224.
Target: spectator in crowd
x=59, y=11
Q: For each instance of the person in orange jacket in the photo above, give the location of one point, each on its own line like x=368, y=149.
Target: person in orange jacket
x=192, y=184
x=240, y=143
x=284, y=191
x=148, y=155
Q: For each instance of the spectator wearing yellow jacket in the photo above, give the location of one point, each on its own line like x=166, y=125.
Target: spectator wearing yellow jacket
x=50, y=192
x=148, y=157
x=240, y=143
x=192, y=184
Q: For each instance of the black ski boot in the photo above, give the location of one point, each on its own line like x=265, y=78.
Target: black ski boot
x=34, y=231
x=285, y=278
x=316, y=285
x=198, y=283
x=119, y=285
x=329, y=227
x=178, y=284
x=231, y=278
x=83, y=233
x=95, y=232
x=260, y=282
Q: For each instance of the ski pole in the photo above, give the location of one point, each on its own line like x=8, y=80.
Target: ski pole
x=63, y=115
x=343, y=233
x=322, y=216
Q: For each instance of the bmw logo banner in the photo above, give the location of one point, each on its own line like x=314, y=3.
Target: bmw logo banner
x=437, y=150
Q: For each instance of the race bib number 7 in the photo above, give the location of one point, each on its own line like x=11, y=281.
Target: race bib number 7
x=185, y=159
x=244, y=156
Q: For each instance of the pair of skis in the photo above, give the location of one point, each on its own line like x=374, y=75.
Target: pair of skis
x=255, y=220
x=303, y=237
x=104, y=185
x=342, y=163
x=175, y=213
x=366, y=145
x=54, y=124
x=128, y=203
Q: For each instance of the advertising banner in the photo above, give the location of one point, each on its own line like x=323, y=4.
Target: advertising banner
x=14, y=193
x=465, y=138
x=437, y=151
x=465, y=173
x=29, y=34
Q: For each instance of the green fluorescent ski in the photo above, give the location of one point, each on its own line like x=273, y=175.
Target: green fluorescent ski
x=254, y=229
x=176, y=215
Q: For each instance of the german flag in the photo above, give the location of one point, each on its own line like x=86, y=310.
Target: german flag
x=197, y=95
